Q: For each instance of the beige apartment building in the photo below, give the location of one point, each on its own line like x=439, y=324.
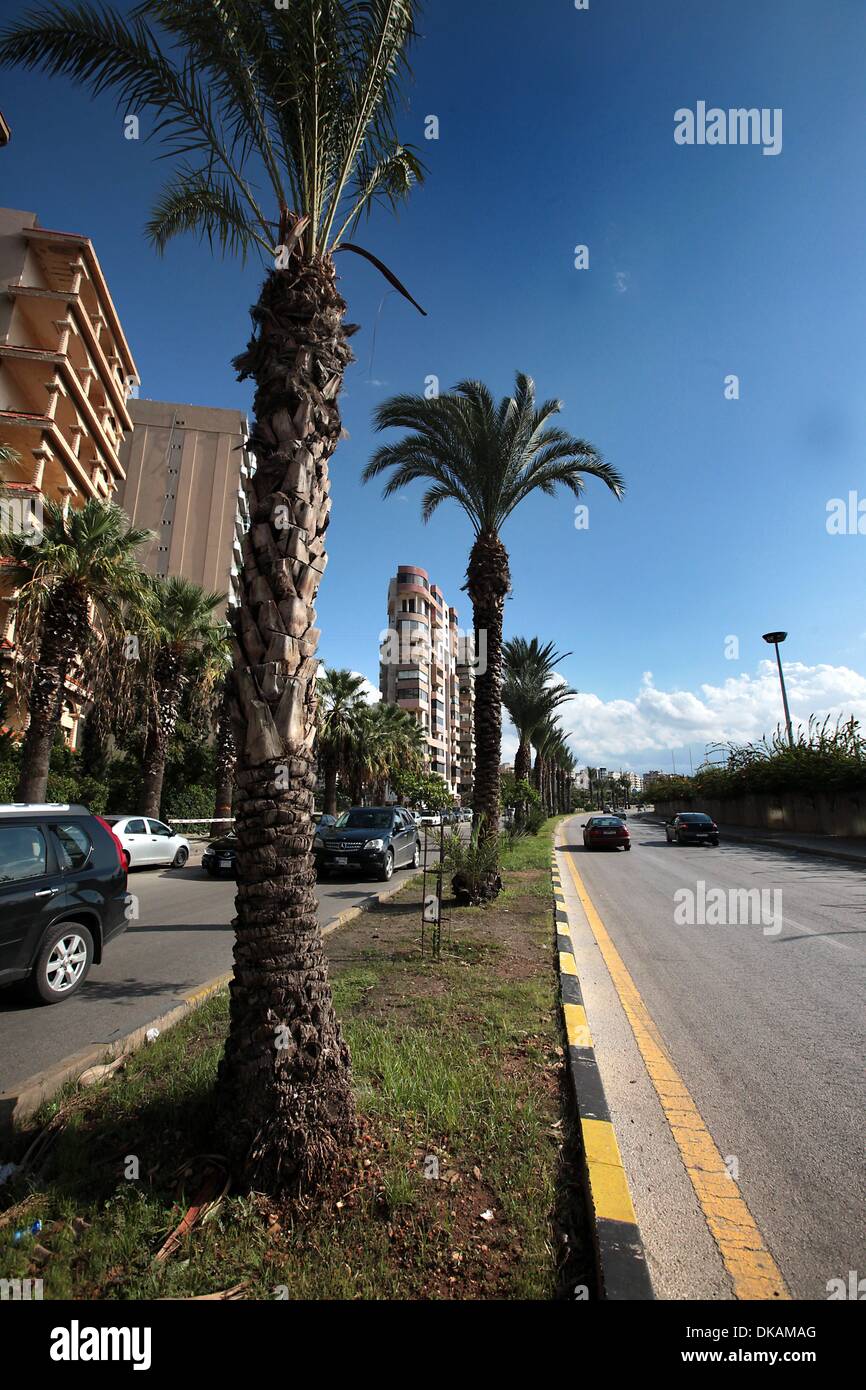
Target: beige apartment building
x=66, y=374
x=185, y=467
x=424, y=669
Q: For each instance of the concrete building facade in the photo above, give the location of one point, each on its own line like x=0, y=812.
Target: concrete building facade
x=425, y=668
x=66, y=376
x=185, y=468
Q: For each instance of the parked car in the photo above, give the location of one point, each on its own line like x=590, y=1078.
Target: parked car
x=430, y=818
x=466, y=813
x=219, y=857
x=147, y=842
x=692, y=828
x=371, y=840
x=63, y=896
x=605, y=832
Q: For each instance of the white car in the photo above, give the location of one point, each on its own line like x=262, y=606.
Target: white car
x=147, y=842
x=429, y=818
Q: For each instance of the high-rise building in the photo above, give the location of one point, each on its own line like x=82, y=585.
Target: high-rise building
x=425, y=668
x=66, y=374
x=185, y=467
x=66, y=371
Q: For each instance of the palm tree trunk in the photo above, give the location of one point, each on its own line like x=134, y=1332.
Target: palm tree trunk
x=523, y=761
x=331, y=789
x=488, y=582
x=64, y=634
x=161, y=724
x=284, y=1092
x=226, y=758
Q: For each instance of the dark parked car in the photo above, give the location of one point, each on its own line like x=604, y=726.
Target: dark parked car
x=219, y=857
x=372, y=840
x=605, y=832
x=62, y=896
x=692, y=828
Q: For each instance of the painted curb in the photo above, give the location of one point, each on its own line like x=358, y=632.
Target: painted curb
x=18, y=1104
x=620, y=1257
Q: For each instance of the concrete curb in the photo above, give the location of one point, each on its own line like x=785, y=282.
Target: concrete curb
x=620, y=1258
x=19, y=1104
x=820, y=851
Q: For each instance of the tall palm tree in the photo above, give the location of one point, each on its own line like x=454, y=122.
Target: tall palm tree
x=283, y=118
x=181, y=639
x=341, y=700
x=72, y=582
x=527, y=694
x=487, y=459
x=388, y=739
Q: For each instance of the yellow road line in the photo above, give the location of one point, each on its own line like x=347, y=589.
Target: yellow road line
x=754, y=1273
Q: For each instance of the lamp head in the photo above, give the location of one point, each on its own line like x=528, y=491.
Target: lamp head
x=774, y=637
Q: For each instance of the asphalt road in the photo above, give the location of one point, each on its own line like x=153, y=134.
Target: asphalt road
x=181, y=939
x=764, y=1021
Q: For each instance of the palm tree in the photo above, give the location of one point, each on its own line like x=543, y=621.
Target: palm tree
x=225, y=752
x=487, y=459
x=180, y=639
x=388, y=739
x=72, y=582
x=284, y=120
x=341, y=700
x=527, y=694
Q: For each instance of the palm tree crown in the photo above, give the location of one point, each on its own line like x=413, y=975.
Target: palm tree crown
x=485, y=457
x=300, y=99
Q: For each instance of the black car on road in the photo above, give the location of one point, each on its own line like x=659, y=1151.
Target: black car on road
x=692, y=828
x=63, y=896
x=372, y=840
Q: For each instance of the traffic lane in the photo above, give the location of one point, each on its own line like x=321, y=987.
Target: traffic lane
x=764, y=1020
x=181, y=938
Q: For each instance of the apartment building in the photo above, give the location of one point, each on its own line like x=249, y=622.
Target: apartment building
x=426, y=669
x=185, y=467
x=66, y=375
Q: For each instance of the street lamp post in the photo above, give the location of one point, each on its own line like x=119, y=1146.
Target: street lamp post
x=774, y=639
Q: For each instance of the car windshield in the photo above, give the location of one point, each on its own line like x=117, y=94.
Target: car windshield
x=364, y=820
x=696, y=818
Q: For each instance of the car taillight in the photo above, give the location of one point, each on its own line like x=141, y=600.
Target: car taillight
x=121, y=858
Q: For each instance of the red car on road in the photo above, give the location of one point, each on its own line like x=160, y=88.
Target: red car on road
x=605, y=832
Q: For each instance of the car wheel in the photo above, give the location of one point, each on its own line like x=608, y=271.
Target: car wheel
x=127, y=858
x=62, y=964
x=387, y=868
x=321, y=873
x=626, y=847
x=416, y=857
x=180, y=858
x=714, y=842
x=211, y=872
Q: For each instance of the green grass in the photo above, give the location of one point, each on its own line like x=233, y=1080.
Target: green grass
x=452, y=1059
x=534, y=851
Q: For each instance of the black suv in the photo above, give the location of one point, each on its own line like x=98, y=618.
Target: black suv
x=370, y=839
x=62, y=896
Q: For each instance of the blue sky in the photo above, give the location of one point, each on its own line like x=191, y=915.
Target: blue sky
x=556, y=129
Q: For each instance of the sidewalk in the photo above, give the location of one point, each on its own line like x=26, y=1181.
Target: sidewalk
x=828, y=846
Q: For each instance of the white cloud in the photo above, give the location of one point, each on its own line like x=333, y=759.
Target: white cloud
x=639, y=732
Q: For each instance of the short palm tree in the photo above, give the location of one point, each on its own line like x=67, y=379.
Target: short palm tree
x=527, y=694
x=73, y=582
x=487, y=458
x=283, y=119
x=180, y=639
x=341, y=700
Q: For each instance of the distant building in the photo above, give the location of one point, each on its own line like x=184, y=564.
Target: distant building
x=425, y=668
x=66, y=374
x=185, y=467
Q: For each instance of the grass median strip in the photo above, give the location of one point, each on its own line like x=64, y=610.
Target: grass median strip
x=463, y=1184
